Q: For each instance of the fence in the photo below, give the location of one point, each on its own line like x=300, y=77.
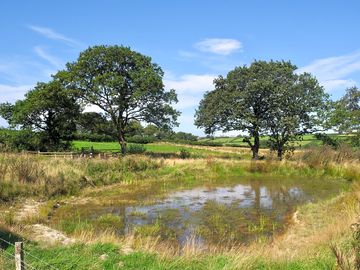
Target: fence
x=18, y=259
x=72, y=155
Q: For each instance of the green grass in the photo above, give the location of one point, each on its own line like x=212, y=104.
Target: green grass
x=114, y=146
x=308, y=140
x=157, y=148
x=88, y=257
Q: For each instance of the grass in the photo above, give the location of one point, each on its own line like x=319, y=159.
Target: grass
x=308, y=140
x=306, y=245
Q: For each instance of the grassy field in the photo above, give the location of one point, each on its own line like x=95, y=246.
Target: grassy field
x=114, y=146
x=308, y=140
x=168, y=149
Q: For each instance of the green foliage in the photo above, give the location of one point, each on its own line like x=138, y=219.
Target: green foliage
x=184, y=153
x=345, y=116
x=48, y=109
x=124, y=84
x=263, y=98
x=93, y=137
x=355, y=140
x=136, y=149
x=18, y=140
x=327, y=140
x=94, y=126
x=141, y=139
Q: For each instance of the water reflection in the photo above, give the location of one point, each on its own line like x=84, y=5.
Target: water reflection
x=226, y=214
x=237, y=213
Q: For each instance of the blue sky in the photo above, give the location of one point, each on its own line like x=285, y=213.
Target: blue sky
x=192, y=40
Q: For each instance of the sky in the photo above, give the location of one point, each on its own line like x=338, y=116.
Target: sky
x=194, y=41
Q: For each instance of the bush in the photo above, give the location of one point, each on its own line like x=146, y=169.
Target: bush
x=355, y=140
x=327, y=140
x=136, y=149
x=184, y=153
x=19, y=140
x=207, y=143
x=141, y=139
x=93, y=137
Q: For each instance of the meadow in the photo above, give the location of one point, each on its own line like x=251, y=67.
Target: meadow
x=82, y=198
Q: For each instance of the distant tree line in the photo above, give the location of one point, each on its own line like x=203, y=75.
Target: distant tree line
x=265, y=98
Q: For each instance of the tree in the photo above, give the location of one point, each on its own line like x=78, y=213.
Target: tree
x=151, y=130
x=134, y=128
x=49, y=109
x=265, y=98
x=298, y=107
x=345, y=116
x=96, y=124
x=241, y=102
x=124, y=84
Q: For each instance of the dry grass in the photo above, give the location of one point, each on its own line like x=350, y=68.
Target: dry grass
x=314, y=231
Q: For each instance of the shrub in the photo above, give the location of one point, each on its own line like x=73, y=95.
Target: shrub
x=94, y=137
x=327, y=140
x=141, y=139
x=207, y=143
x=355, y=140
x=136, y=149
x=184, y=153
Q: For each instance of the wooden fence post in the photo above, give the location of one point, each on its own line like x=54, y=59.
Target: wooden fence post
x=19, y=256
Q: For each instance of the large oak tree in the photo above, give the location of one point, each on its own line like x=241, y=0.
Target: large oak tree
x=124, y=84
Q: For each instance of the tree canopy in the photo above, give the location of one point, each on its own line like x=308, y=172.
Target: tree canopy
x=48, y=109
x=346, y=112
x=265, y=98
x=124, y=84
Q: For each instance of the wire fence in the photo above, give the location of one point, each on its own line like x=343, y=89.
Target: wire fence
x=8, y=258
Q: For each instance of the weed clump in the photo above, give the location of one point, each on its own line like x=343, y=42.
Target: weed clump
x=184, y=153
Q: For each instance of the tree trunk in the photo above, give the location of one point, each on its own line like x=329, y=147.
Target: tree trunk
x=280, y=153
x=255, y=148
x=122, y=143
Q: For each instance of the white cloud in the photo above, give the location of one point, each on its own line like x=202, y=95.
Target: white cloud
x=52, y=34
x=190, y=83
x=190, y=88
x=331, y=85
x=48, y=57
x=333, y=72
x=222, y=46
x=9, y=93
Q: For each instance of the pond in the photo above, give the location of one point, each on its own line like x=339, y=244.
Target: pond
x=235, y=212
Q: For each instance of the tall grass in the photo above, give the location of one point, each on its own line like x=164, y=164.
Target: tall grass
x=23, y=175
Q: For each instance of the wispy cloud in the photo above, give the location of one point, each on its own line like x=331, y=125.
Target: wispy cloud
x=190, y=88
x=333, y=72
x=190, y=83
x=52, y=34
x=222, y=46
x=53, y=60
x=11, y=93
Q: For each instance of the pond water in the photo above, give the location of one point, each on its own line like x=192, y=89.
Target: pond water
x=223, y=214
